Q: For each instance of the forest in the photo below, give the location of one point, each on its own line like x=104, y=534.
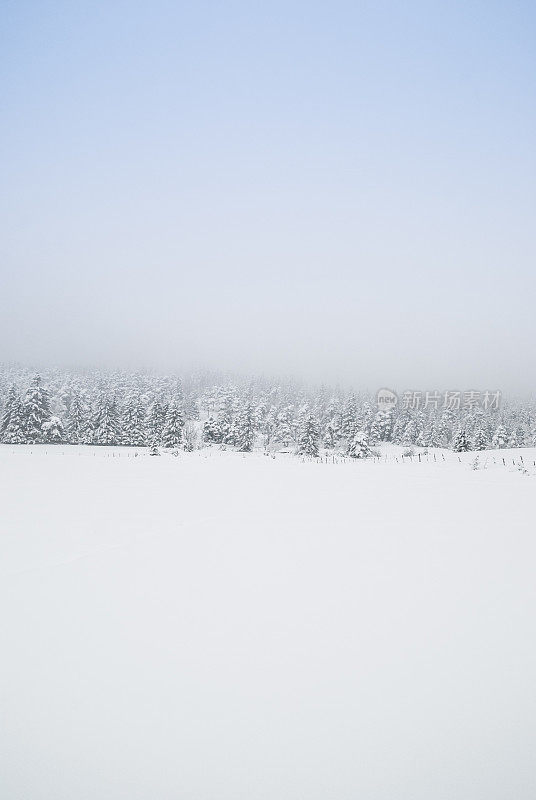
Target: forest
x=207, y=409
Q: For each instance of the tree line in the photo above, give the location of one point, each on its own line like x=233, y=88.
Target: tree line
x=140, y=410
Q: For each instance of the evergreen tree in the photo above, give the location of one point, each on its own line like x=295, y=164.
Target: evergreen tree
x=349, y=418
x=36, y=410
x=77, y=421
x=382, y=427
x=333, y=417
x=500, y=437
x=259, y=414
x=411, y=432
x=12, y=402
x=427, y=436
x=286, y=429
x=517, y=437
x=308, y=435
x=445, y=427
x=14, y=432
x=227, y=420
x=189, y=436
x=268, y=424
x=481, y=439
x=365, y=418
x=245, y=429
x=422, y=438
x=375, y=431
x=438, y=439
x=53, y=431
x=105, y=427
x=400, y=426
x=211, y=431
x=133, y=430
x=332, y=433
x=156, y=419
x=172, y=433
x=460, y=443
x=359, y=446
x=190, y=407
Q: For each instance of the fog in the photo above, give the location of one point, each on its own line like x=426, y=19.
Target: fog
x=342, y=194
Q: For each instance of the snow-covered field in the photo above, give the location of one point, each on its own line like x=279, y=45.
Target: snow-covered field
x=232, y=626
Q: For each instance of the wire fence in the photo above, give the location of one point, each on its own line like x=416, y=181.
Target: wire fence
x=481, y=459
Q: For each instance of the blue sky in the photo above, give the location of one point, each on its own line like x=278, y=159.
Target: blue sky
x=344, y=191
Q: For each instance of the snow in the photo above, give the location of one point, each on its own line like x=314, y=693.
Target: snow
x=227, y=625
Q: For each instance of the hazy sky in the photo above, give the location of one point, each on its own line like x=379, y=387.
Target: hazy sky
x=341, y=190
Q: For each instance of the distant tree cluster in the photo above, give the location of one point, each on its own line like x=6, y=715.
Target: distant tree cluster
x=143, y=410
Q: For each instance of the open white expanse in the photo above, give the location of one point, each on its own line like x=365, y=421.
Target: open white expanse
x=226, y=626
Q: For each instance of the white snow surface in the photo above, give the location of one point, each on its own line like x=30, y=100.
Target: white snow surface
x=228, y=626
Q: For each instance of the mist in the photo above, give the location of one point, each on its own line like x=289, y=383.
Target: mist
x=343, y=196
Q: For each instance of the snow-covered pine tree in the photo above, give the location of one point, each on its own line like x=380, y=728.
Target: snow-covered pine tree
x=245, y=429
x=286, y=427
x=12, y=401
x=156, y=419
x=190, y=407
x=365, y=418
x=481, y=439
x=172, y=432
x=426, y=438
x=77, y=420
x=460, y=443
x=438, y=439
x=105, y=427
x=359, y=446
x=422, y=439
x=399, y=427
x=500, y=437
x=308, y=434
x=260, y=412
x=382, y=427
x=331, y=433
x=178, y=394
x=211, y=431
x=53, y=431
x=190, y=436
x=420, y=424
x=268, y=425
x=445, y=427
x=227, y=419
x=411, y=432
x=375, y=430
x=332, y=417
x=36, y=410
x=133, y=429
x=14, y=432
x=517, y=437
x=349, y=418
